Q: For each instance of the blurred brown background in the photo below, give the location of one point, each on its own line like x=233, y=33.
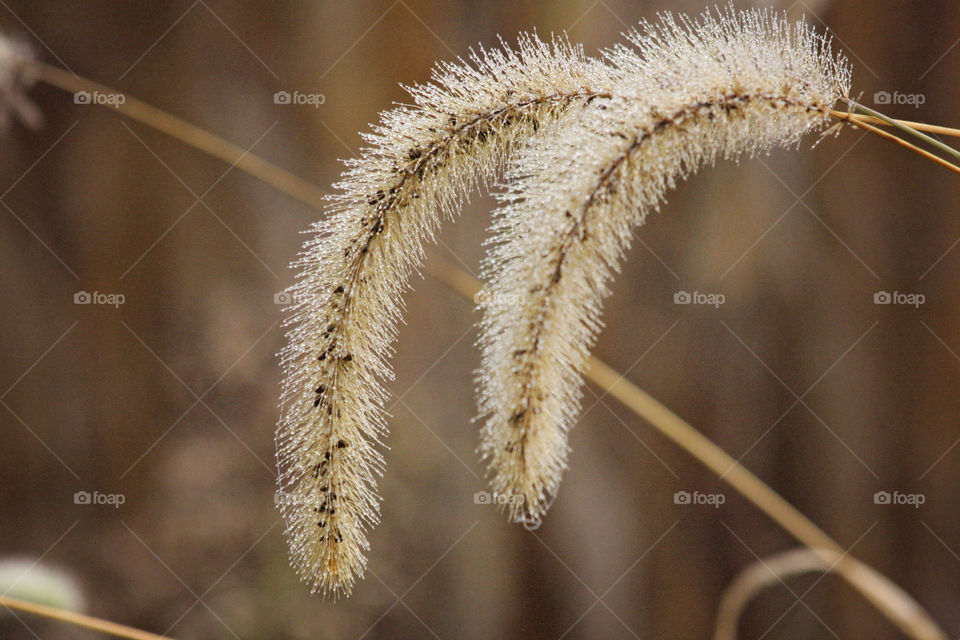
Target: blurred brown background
x=170, y=399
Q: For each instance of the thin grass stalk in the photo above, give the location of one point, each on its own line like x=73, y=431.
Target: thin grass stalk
x=185, y=132
x=919, y=126
x=897, y=140
x=79, y=620
x=903, y=611
x=905, y=128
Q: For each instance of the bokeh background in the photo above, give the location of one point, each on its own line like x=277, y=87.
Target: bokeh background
x=170, y=399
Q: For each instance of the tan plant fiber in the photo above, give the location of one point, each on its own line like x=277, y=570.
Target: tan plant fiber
x=592, y=145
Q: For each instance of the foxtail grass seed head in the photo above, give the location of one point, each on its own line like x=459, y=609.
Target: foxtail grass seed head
x=421, y=161
x=592, y=145
x=730, y=84
x=15, y=82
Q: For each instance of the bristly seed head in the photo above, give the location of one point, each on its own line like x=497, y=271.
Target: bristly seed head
x=421, y=162
x=591, y=146
x=731, y=84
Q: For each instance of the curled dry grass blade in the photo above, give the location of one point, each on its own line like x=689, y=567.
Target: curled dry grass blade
x=777, y=569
